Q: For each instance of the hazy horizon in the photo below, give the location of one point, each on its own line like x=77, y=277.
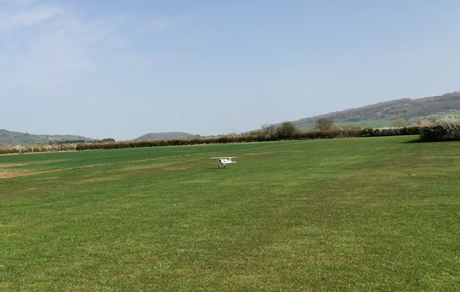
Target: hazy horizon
x=122, y=69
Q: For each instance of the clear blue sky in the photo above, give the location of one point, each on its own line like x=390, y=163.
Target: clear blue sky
x=121, y=69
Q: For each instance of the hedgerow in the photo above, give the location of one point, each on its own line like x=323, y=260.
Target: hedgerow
x=249, y=137
x=369, y=132
x=331, y=134
x=440, y=130
x=31, y=148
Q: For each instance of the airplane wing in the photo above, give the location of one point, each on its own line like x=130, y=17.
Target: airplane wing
x=223, y=157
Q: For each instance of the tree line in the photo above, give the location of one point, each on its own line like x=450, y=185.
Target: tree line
x=325, y=129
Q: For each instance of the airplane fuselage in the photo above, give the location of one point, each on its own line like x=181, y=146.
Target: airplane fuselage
x=223, y=161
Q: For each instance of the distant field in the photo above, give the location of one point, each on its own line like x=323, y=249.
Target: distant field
x=365, y=214
x=369, y=123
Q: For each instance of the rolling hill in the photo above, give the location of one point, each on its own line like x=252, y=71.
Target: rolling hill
x=165, y=136
x=382, y=114
x=19, y=138
x=371, y=116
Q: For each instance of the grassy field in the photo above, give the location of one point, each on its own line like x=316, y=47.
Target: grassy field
x=368, y=214
x=368, y=124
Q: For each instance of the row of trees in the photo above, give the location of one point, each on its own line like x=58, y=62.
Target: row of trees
x=325, y=128
x=288, y=130
x=326, y=124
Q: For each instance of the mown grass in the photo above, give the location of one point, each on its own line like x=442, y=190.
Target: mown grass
x=373, y=214
x=69, y=160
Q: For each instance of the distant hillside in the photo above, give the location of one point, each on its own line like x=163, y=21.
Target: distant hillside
x=165, y=136
x=19, y=138
x=382, y=114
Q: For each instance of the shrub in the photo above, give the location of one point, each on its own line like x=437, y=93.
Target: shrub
x=440, y=130
x=7, y=149
x=369, y=132
x=399, y=123
x=324, y=124
x=286, y=131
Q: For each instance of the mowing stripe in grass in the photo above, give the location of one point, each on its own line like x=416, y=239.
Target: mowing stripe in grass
x=329, y=215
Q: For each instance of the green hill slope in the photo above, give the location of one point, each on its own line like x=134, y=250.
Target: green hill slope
x=165, y=136
x=382, y=114
x=19, y=138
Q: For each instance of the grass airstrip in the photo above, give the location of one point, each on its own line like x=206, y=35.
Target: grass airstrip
x=364, y=214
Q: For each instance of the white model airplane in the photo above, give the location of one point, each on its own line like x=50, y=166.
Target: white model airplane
x=222, y=161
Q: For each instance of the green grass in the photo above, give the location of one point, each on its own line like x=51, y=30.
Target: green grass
x=321, y=215
x=68, y=160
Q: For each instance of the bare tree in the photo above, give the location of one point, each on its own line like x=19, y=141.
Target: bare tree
x=287, y=130
x=268, y=129
x=399, y=123
x=324, y=124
